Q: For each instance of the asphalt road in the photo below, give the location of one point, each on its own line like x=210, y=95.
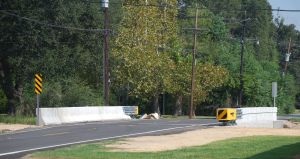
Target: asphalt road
x=18, y=144
x=289, y=116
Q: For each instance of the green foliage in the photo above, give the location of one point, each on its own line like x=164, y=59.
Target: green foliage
x=218, y=29
x=3, y=102
x=150, y=55
x=138, y=62
x=69, y=92
x=29, y=120
x=286, y=95
x=295, y=120
x=208, y=78
x=285, y=33
x=58, y=51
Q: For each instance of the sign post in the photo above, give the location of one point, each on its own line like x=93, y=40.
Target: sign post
x=274, y=92
x=38, y=90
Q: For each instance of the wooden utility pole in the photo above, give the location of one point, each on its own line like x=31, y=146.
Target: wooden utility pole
x=242, y=62
x=105, y=53
x=287, y=56
x=191, y=115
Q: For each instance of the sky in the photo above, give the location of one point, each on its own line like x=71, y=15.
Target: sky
x=289, y=17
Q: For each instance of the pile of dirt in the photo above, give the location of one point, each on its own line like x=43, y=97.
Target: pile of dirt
x=194, y=138
x=13, y=127
x=292, y=125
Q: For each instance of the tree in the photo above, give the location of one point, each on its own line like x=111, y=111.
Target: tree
x=52, y=39
x=141, y=62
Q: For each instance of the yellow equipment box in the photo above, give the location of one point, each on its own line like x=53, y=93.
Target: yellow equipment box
x=226, y=114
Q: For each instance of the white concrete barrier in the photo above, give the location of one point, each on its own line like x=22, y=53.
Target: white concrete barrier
x=256, y=117
x=50, y=116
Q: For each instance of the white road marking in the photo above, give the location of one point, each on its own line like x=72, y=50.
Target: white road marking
x=94, y=140
x=166, y=124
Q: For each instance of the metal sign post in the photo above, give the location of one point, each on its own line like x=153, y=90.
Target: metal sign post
x=38, y=109
x=274, y=92
x=38, y=90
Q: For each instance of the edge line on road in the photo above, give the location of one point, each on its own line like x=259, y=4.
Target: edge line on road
x=101, y=139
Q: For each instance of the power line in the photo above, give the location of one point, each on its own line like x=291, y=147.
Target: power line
x=51, y=25
x=172, y=6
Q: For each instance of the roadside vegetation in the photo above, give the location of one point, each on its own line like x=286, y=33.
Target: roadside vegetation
x=28, y=120
x=150, y=55
x=256, y=147
x=295, y=120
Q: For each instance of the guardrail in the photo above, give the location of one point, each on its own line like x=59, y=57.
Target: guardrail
x=61, y=115
x=256, y=117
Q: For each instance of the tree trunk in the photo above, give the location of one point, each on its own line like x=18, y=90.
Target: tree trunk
x=193, y=113
x=178, y=105
x=8, y=86
x=19, y=88
x=156, y=104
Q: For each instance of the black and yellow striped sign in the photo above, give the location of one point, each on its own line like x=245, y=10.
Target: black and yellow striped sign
x=38, y=83
x=222, y=114
x=226, y=114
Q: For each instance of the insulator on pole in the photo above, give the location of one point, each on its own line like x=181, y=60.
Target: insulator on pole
x=104, y=3
x=287, y=57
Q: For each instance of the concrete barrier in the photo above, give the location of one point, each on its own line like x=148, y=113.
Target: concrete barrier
x=256, y=117
x=50, y=116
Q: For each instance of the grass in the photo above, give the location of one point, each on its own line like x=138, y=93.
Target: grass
x=260, y=147
x=295, y=120
x=17, y=119
x=297, y=111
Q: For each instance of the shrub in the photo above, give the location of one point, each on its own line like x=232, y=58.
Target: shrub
x=3, y=102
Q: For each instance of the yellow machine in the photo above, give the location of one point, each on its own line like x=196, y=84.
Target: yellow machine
x=226, y=114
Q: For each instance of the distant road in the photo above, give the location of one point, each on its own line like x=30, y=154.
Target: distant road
x=19, y=144
x=289, y=116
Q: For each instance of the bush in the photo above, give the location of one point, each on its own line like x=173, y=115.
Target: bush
x=69, y=93
x=3, y=102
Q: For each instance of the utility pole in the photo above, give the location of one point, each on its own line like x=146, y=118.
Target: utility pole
x=191, y=115
x=105, y=53
x=287, y=56
x=242, y=62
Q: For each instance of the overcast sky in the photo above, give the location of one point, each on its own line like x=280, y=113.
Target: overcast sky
x=289, y=17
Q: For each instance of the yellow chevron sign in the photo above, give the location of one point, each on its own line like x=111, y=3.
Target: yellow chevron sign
x=38, y=83
x=226, y=114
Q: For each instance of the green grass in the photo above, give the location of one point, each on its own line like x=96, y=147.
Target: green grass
x=260, y=147
x=17, y=119
x=294, y=119
x=297, y=111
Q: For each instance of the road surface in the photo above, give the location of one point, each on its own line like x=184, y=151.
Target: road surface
x=288, y=116
x=21, y=143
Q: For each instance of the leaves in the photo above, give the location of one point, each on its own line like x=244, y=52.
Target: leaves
x=139, y=62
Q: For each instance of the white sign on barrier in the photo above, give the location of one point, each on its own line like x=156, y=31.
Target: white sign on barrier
x=274, y=92
x=274, y=89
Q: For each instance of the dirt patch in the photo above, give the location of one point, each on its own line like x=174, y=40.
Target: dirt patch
x=194, y=138
x=293, y=125
x=13, y=127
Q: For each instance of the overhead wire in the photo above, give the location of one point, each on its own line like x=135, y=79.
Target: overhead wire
x=100, y=30
x=51, y=25
x=171, y=6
